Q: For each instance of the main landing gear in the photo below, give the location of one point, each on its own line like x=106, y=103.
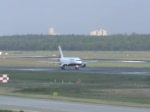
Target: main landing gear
x=63, y=67
x=77, y=67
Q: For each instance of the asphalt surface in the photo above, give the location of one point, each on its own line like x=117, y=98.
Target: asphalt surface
x=39, y=105
x=102, y=70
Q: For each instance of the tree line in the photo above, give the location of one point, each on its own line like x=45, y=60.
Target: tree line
x=118, y=42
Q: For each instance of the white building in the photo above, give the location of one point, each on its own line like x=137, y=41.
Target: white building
x=52, y=32
x=94, y=33
x=99, y=33
x=103, y=32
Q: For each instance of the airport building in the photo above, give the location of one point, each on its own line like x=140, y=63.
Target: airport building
x=101, y=32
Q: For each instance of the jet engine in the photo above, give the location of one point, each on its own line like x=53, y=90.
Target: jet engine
x=83, y=65
x=62, y=66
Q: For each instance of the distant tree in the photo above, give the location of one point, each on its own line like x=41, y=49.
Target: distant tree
x=118, y=42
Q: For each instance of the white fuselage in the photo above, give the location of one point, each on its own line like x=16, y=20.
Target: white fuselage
x=70, y=61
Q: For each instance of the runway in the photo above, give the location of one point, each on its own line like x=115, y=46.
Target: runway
x=40, y=105
x=102, y=70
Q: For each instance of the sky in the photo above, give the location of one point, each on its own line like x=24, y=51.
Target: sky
x=21, y=17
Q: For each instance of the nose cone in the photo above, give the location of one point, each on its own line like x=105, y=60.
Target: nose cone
x=79, y=62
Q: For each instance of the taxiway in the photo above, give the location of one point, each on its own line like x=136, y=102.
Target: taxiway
x=102, y=70
x=39, y=105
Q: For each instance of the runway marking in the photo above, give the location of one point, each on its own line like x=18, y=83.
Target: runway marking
x=133, y=61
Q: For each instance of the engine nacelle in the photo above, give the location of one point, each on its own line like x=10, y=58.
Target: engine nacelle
x=83, y=65
x=62, y=66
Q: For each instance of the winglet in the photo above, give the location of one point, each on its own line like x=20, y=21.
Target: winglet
x=60, y=52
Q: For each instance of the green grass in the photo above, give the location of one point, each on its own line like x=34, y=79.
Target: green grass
x=10, y=111
x=108, y=88
x=131, y=55
x=47, y=77
x=34, y=62
x=6, y=111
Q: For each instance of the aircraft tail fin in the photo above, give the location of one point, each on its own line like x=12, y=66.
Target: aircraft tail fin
x=60, y=52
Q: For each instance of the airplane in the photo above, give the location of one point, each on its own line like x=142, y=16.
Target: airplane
x=70, y=61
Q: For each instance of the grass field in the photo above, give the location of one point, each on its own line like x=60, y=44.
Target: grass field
x=129, y=90
x=5, y=111
x=35, y=62
x=10, y=111
x=131, y=55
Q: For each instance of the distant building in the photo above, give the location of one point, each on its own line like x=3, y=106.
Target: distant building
x=103, y=32
x=52, y=32
x=99, y=33
x=94, y=33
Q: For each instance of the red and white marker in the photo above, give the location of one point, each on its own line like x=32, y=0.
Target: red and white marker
x=4, y=78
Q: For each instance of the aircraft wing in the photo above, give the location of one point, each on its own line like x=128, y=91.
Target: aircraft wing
x=57, y=62
x=41, y=57
x=49, y=62
x=89, y=61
